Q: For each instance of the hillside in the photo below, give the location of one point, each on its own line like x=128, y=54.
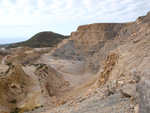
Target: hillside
x=42, y=39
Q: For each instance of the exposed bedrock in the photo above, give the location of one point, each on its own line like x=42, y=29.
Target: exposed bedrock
x=87, y=43
x=87, y=40
x=144, y=98
x=93, y=43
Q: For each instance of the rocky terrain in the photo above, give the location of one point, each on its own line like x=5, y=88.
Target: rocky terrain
x=42, y=39
x=100, y=68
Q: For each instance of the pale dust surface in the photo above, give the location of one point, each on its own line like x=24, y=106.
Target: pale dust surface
x=71, y=70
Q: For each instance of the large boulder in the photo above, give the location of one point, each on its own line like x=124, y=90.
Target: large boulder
x=144, y=94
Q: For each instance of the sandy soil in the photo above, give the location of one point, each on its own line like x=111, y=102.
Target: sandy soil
x=35, y=97
x=3, y=67
x=3, y=61
x=29, y=70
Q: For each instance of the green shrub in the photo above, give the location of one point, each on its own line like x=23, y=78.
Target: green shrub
x=13, y=101
x=40, y=66
x=16, y=110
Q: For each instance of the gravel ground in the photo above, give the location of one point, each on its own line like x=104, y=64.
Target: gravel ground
x=101, y=102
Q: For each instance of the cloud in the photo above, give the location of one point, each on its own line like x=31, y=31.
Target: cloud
x=73, y=9
x=67, y=14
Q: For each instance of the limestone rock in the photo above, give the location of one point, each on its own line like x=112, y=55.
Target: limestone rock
x=144, y=98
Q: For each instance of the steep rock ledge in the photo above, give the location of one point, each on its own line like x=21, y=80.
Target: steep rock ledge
x=88, y=40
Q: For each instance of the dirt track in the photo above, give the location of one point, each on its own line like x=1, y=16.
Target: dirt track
x=3, y=67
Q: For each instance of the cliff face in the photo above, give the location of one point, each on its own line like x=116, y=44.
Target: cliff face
x=133, y=53
x=130, y=71
x=92, y=43
x=87, y=40
x=98, y=32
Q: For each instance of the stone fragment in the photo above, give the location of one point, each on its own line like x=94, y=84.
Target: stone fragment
x=144, y=95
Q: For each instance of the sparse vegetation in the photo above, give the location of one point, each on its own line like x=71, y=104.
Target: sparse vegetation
x=9, y=64
x=23, y=83
x=8, y=70
x=16, y=110
x=40, y=66
x=42, y=39
x=13, y=101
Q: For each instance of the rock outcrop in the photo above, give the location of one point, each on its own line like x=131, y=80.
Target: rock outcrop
x=88, y=40
x=52, y=82
x=143, y=89
x=92, y=43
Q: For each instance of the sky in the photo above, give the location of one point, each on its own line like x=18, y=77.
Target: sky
x=21, y=19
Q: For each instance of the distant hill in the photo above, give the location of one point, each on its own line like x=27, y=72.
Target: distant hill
x=5, y=45
x=42, y=39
